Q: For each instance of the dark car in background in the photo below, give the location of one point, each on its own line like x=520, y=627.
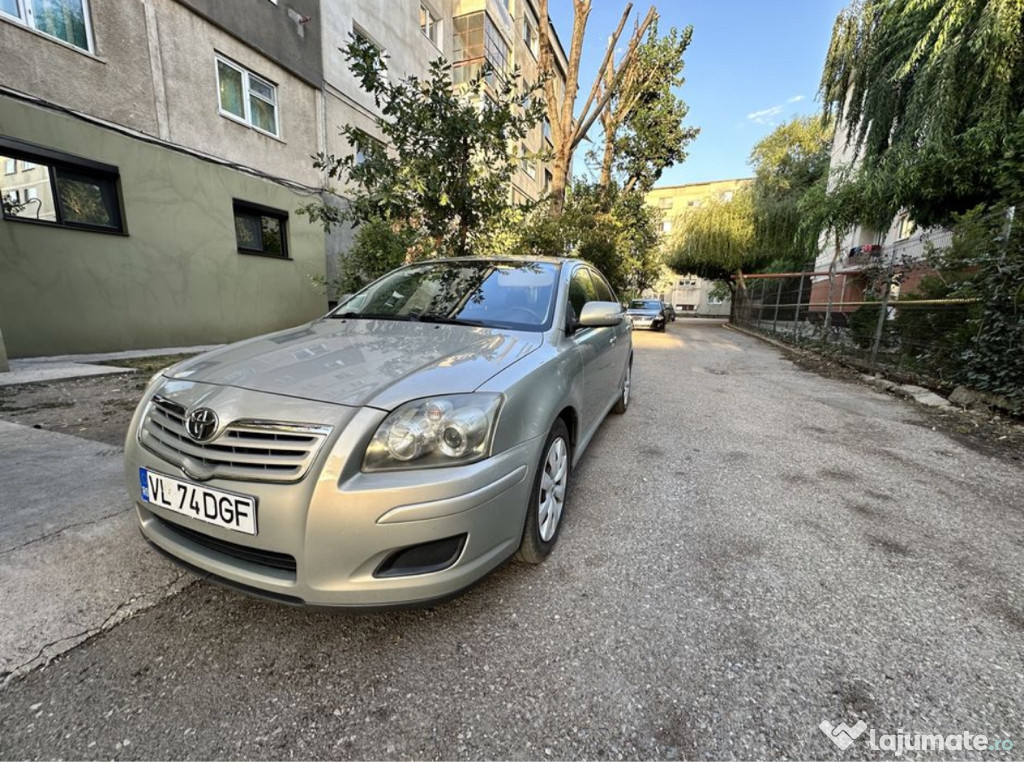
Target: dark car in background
x=670, y=312
x=647, y=313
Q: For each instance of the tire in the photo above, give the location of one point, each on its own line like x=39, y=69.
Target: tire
x=622, y=404
x=555, y=460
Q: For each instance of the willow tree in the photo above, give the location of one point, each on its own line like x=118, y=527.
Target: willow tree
x=930, y=93
x=717, y=239
x=568, y=129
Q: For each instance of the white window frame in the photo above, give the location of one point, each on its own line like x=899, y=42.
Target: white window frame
x=433, y=24
x=246, y=93
x=25, y=17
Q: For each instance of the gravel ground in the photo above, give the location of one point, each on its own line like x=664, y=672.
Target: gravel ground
x=751, y=550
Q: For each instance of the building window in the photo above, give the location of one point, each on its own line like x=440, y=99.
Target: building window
x=61, y=190
x=10, y=166
x=530, y=35
x=526, y=163
x=727, y=196
x=261, y=230
x=906, y=227
x=246, y=97
x=548, y=177
x=478, y=41
x=693, y=204
x=364, y=144
x=666, y=227
x=430, y=25
x=545, y=128
x=664, y=203
x=365, y=40
x=66, y=20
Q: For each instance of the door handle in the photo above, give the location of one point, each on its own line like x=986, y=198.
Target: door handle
x=613, y=340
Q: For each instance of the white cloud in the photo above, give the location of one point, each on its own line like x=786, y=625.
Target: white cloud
x=764, y=115
x=796, y=99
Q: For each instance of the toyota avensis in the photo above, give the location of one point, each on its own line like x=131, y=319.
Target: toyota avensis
x=394, y=451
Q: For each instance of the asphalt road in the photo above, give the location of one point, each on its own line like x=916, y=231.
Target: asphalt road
x=751, y=550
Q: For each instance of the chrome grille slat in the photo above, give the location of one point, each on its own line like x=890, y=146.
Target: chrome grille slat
x=266, y=451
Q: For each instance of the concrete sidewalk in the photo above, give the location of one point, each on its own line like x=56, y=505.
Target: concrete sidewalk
x=72, y=562
x=34, y=370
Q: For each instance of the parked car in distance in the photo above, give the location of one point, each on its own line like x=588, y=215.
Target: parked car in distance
x=670, y=312
x=647, y=313
x=394, y=451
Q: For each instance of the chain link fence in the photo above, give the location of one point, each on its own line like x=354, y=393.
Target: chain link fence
x=841, y=313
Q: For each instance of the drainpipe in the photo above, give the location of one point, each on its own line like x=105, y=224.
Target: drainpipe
x=4, y=365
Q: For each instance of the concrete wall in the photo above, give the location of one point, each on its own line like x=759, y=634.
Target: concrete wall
x=175, y=279
x=187, y=43
x=153, y=70
x=115, y=83
x=287, y=32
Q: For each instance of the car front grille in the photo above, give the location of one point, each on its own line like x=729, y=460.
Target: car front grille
x=246, y=450
x=267, y=558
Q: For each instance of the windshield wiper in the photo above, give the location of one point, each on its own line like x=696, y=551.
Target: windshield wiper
x=446, y=320
x=368, y=316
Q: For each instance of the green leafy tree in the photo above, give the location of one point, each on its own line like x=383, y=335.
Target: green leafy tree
x=614, y=230
x=643, y=125
x=930, y=93
x=717, y=239
x=442, y=176
x=791, y=162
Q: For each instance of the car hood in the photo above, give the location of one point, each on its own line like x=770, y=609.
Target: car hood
x=352, y=362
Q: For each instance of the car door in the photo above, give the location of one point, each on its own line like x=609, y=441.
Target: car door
x=596, y=347
x=618, y=354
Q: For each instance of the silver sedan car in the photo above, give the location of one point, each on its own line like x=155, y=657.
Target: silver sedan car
x=394, y=451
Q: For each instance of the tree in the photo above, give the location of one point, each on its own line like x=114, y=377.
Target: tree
x=614, y=230
x=717, y=239
x=930, y=92
x=567, y=129
x=788, y=164
x=643, y=122
x=444, y=172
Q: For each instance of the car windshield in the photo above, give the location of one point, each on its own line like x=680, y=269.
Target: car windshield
x=643, y=304
x=497, y=294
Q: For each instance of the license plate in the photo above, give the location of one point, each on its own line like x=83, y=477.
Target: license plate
x=213, y=506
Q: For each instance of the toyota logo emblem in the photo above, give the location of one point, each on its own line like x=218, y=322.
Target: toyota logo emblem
x=201, y=424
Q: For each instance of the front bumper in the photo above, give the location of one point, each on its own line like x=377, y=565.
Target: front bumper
x=654, y=324
x=339, y=524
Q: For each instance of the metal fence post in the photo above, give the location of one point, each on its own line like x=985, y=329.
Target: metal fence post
x=799, y=301
x=778, y=297
x=885, y=309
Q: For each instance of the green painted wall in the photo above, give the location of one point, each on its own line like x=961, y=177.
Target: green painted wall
x=176, y=279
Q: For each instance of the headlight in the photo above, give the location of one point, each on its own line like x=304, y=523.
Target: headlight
x=439, y=431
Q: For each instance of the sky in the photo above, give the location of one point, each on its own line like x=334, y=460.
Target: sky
x=752, y=65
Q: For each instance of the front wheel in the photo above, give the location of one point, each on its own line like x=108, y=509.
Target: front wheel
x=547, y=503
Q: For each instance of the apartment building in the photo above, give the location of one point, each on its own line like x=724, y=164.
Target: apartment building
x=411, y=34
x=151, y=170
x=688, y=293
x=152, y=155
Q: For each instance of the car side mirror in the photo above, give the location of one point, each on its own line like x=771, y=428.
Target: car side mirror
x=598, y=314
